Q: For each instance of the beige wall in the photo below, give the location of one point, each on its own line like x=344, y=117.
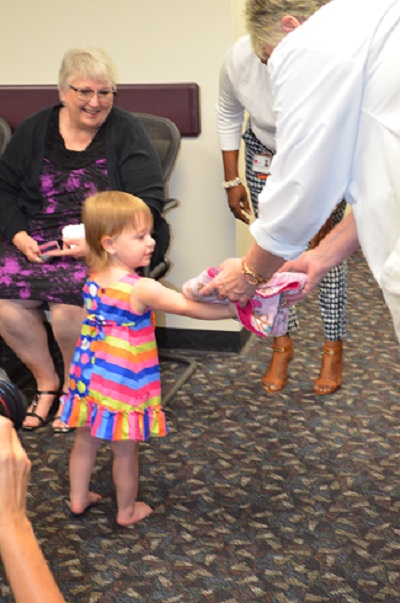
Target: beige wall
x=151, y=42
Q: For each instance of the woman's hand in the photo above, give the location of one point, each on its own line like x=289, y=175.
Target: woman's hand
x=229, y=283
x=337, y=245
x=26, y=245
x=75, y=248
x=15, y=471
x=27, y=571
x=312, y=263
x=239, y=203
x=237, y=195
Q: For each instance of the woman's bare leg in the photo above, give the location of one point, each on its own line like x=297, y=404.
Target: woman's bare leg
x=126, y=481
x=66, y=322
x=22, y=328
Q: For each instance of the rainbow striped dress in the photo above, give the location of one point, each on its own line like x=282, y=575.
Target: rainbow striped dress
x=114, y=385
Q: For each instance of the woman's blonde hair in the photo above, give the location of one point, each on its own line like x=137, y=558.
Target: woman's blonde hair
x=108, y=214
x=263, y=18
x=90, y=63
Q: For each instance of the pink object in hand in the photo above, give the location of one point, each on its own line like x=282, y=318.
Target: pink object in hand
x=264, y=313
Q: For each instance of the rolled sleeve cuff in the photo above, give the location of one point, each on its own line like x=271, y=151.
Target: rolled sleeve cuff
x=230, y=141
x=267, y=242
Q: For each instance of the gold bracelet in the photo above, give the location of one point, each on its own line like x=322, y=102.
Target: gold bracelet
x=252, y=277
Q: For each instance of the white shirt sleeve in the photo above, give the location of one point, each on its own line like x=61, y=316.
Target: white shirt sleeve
x=317, y=99
x=230, y=112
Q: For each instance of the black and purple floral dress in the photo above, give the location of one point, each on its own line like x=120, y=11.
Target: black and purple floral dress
x=67, y=179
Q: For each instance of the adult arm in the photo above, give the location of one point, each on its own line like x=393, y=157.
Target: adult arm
x=14, y=178
x=341, y=242
x=230, y=116
x=12, y=219
x=27, y=571
x=316, y=135
x=20, y=194
x=20, y=167
x=238, y=200
x=230, y=281
x=337, y=245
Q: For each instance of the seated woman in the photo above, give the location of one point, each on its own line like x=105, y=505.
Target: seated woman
x=56, y=159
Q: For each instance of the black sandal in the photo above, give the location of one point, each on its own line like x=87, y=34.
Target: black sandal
x=31, y=413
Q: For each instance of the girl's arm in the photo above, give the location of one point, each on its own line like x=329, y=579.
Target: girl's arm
x=150, y=293
x=26, y=568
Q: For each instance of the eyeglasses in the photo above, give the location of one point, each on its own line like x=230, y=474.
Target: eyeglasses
x=86, y=94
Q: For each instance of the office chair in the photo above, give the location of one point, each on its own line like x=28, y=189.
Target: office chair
x=167, y=140
x=5, y=134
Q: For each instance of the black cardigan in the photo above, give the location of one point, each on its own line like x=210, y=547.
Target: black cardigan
x=132, y=162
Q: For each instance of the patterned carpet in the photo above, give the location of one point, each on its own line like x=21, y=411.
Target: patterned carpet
x=292, y=498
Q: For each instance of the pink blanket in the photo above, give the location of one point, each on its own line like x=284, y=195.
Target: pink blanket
x=264, y=313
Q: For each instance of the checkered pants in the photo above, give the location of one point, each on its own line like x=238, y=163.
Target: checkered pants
x=332, y=291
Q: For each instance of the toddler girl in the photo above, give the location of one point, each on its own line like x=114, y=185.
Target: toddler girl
x=114, y=390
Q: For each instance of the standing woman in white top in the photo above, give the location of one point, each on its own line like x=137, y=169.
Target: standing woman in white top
x=336, y=95
x=245, y=86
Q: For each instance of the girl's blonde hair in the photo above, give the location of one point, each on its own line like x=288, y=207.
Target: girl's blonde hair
x=90, y=63
x=108, y=214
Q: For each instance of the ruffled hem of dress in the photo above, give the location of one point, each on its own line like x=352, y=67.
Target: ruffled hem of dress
x=135, y=425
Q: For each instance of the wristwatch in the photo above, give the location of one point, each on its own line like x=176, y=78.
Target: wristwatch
x=250, y=276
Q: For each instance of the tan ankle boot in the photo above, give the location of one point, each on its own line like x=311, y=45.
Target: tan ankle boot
x=330, y=376
x=276, y=374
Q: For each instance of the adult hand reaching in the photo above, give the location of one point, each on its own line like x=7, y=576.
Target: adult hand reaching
x=27, y=571
x=341, y=242
x=15, y=470
x=229, y=283
x=75, y=248
x=311, y=264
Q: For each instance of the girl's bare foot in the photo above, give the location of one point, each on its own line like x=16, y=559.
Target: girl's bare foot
x=136, y=513
x=80, y=507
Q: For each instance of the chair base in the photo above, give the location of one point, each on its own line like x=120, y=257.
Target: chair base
x=188, y=372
